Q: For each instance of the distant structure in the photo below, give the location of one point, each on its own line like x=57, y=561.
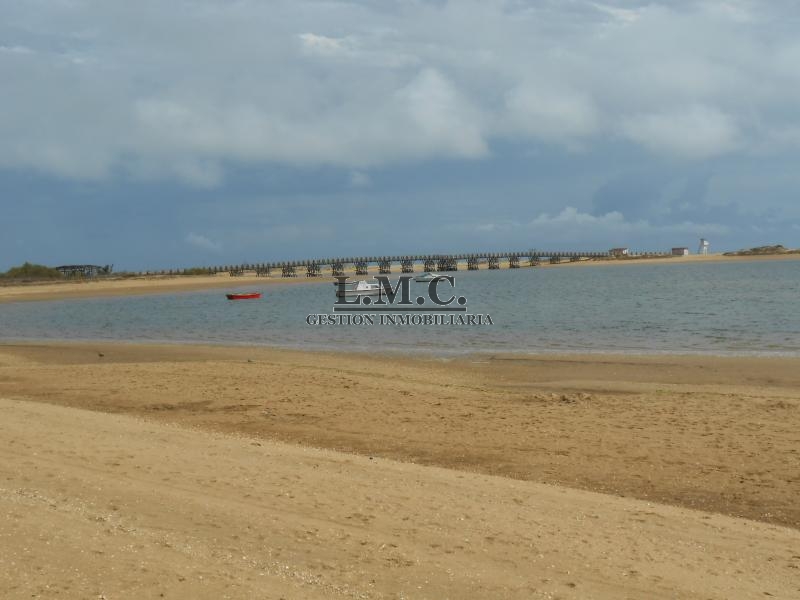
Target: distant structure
x=680, y=251
x=619, y=252
x=318, y=267
x=703, y=248
x=84, y=271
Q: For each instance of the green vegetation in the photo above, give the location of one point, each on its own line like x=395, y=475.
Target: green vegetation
x=763, y=251
x=195, y=271
x=31, y=271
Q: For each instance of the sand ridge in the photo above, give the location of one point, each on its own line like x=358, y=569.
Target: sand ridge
x=112, y=506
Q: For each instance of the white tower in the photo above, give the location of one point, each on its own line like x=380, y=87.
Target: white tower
x=703, y=248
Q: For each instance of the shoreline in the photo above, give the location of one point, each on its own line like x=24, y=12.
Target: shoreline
x=409, y=352
x=64, y=290
x=580, y=391
x=206, y=348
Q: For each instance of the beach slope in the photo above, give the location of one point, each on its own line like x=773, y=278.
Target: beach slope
x=132, y=471
x=111, y=506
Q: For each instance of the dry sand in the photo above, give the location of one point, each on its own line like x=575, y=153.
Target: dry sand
x=240, y=472
x=171, y=284
x=136, y=286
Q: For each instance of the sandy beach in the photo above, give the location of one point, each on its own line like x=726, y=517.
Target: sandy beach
x=136, y=471
x=164, y=284
x=592, y=393
x=156, y=284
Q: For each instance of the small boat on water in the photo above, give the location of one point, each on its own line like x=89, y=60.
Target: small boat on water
x=362, y=288
x=427, y=276
x=244, y=296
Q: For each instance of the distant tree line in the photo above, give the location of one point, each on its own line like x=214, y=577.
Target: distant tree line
x=763, y=251
x=31, y=271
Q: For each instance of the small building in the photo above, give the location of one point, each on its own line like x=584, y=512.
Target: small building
x=619, y=252
x=680, y=252
x=84, y=271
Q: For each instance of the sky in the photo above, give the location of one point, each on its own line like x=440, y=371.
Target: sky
x=157, y=135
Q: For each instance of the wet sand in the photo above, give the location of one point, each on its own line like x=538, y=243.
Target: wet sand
x=249, y=472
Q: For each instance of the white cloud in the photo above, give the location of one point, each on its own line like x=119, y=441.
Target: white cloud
x=571, y=216
x=202, y=242
x=440, y=116
x=200, y=173
x=15, y=49
x=571, y=226
x=112, y=88
x=543, y=112
x=622, y=15
x=696, y=132
x=739, y=11
x=326, y=46
x=359, y=179
x=615, y=222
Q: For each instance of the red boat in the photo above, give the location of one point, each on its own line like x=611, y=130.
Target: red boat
x=244, y=296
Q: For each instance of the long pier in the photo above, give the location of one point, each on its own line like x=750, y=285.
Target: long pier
x=317, y=267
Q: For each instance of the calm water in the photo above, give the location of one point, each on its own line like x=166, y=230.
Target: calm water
x=741, y=308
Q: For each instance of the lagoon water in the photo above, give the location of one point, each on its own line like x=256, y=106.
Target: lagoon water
x=716, y=308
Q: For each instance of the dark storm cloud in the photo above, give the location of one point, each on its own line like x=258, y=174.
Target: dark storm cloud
x=269, y=128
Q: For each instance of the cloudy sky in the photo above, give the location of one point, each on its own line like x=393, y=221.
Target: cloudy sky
x=156, y=134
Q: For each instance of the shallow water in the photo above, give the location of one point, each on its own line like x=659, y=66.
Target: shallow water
x=734, y=308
